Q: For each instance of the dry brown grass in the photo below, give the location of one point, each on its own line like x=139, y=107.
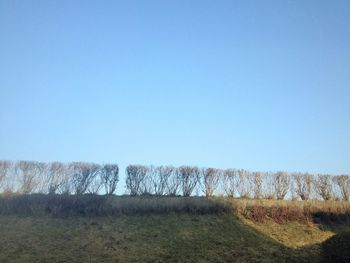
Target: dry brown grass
x=282, y=211
x=301, y=225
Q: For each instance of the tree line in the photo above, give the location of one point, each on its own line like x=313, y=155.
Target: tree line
x=26, y=177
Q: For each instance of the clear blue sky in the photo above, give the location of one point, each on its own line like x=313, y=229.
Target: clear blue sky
x=261, y=85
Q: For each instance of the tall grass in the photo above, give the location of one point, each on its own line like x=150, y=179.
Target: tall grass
x=98, y=205
x=290, y=210
x=280, y=211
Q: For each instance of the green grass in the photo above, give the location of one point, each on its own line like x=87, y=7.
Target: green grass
x=154, y=238
x=164, y=230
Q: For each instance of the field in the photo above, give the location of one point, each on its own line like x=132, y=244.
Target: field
x=180, y=236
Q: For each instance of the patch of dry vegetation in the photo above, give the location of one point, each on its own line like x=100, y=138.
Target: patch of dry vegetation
x=301, y=225
x=282, y=211
x=98, y=205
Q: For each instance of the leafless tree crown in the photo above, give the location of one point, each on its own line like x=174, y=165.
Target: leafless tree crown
x=211, y=178
x=324, y=187
x=189, y=177
x=27, y=177
x=281, y=184
x=110, y=177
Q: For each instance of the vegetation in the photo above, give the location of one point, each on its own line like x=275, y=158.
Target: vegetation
x=337, y=248
x=92, y=228
x=165, y=229
x=97, y=205
x=28, y=177
x=153, y=238
x=58, y=212
x=282, y=211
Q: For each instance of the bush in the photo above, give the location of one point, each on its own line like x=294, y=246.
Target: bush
x=101, y=205
x=282, y=211
x=260, y=214
x=337, y=248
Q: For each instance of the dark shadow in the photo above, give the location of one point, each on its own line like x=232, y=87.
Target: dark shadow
x=336, y=223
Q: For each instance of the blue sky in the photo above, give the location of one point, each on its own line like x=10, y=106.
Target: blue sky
x=261, y=85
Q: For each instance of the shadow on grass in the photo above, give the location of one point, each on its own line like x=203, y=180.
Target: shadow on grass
x=90, y=228
x=106, y=205
x=141, y=238
x=235, y=241
x=327, y=224
x=336, y=223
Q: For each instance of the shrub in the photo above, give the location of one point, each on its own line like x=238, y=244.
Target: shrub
x=280, y=215
x=282, y=211
x=101, y=205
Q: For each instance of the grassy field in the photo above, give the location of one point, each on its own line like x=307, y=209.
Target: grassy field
x=156, y=238
x=165, y=237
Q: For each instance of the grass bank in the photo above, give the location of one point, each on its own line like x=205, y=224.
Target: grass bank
x=39, y=228
x=104, y=205
x=152, y=238
x=283, y=211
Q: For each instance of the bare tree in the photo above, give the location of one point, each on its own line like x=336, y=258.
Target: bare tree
x=160, y=178
x=211, y=178
x=281, y=184
x=38, y=177
x=189, y=178
x=343, y=183
x=66, y=182
x=230, y=182
x=83, y=174
x=55, y=176
x=324, y=187
x=41, y=175
x=28, y=177
x=110, y=177
x=26, y=172
x=303, y=185
x=244, y=186
x=257, y=179
x=96, y=182
x=293, y=194
x=5, y=167
x=173, y=182
x=135, y=175
x=147, y=182
x=268, y=185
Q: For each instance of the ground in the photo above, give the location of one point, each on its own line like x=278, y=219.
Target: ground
x=158, y=238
